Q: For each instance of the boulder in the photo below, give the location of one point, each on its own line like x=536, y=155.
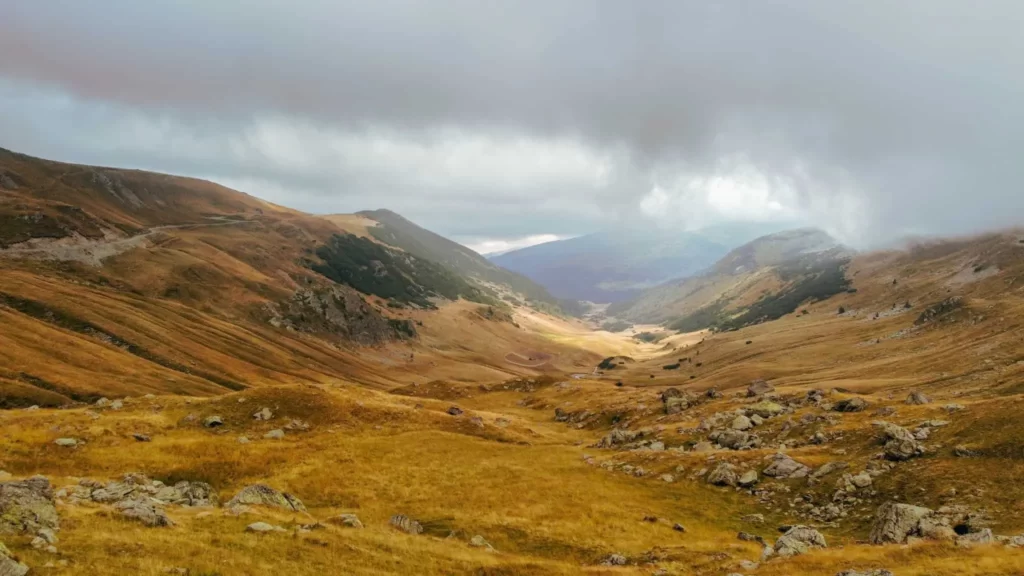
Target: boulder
x=799, y=540
x=736, y=439
x=27, y=506
x=975, y=538
x=8, y=565
x=347, y=520
x=895, y=522
x=213, y=421
x=723, y=475
x=765, y=409
x=850, y=405
x=144, y=511
x=262, y=495
x=917, y=398
x=783, y=467
x=759, y=387
x=748, y=479
x=406, y=524
x=676, y=404
x=263, y=414
x=263, y=528
x=900, y=443
x=276, y=434
x=618, y=437
x=741, y=422
x=479, y=542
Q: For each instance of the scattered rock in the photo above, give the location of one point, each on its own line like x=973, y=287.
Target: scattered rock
x=262, y=495
x=66, y=442
x=27, y=506
x=975, y=538
x=263, y=414
x=895, y=522
x=455, y=411
x=141, y=438
x=678, y=527
x=406, y=524
x=103, y=403
x=962, y=451
x=748, y=479
x=765, y=409
x=799, y=540
x=900, y=443
x=117, y=405
x=297, y=426
x=759, y=387
x=276, y=434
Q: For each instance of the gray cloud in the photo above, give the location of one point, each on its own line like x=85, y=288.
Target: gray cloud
x=487, y=119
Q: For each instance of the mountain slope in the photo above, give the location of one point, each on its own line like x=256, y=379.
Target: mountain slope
x=761, y=279
x=617, y=266
x=395, y=230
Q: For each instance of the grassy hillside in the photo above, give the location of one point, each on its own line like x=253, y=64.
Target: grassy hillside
x=396, y=231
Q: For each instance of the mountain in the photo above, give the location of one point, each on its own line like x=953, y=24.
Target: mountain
x=763, y=279
x=617, y=266
x=394, y=230
x=150, y=283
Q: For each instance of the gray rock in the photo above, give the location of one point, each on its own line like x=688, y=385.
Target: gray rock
x=917, y=398
x=263, y=414
x=753, y=518
x=213, y=421
x=455, y=411
x=829, y=468
x=262, y=495
x=297, y=426
x=799, y=540
x=723, y=475
x=850, y=405
x=117, y=405
x=961, y=451
x=676, y=404
x=759, y=387
x=347, y=520
x=144, y=511
x=406, y=524
x=895, y=522
x=479, y=542
x=8, y=565
x=27, y=506
x=276, y=434
x=735, y=439
x=900, y=443
x=263, y=528
x=103, y=403
x=615, y=560
x=765, y=409
x=243, y=439
x=748, y=479
x=703, y=446
x=66, y=442
x=975, y=538
x=783, y=467
x=742, y=423
x=142, y=438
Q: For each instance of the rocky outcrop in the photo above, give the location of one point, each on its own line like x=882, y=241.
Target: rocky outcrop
x=917, y=398
x=850, y=405
x=799, y=540
x=339, y=311
x=735, y=439
x=783, y=467
x=723, y=475
x=406, y=524
x=900, y=443
x=27, y=506
x=262, y=495
x=145, y=511
x=139, y=487
x=894, y=523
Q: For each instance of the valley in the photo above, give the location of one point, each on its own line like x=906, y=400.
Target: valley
x=194, y=381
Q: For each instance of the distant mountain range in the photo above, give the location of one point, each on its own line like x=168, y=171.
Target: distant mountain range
x=616, y=266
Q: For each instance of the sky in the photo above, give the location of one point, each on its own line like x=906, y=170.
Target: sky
x=501, y=124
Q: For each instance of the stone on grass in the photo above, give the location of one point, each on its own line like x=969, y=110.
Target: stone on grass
x=144, y=511
x=347, y=520
x=66, y=442
x=406, y=524
x=213, y=421
x=8, y=565
x=799, y=540
x=479, y=542
x=263, y=414
x=263, y=528
x=277, y=434
x=27, y=506
x=262, y=495
x=895, y=522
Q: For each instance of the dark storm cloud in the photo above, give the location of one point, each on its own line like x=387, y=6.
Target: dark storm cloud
x=872, y=118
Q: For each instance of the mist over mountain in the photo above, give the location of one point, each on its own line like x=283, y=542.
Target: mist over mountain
x=617, y=265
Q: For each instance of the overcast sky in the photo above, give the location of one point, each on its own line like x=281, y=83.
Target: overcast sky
x=517, y=121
